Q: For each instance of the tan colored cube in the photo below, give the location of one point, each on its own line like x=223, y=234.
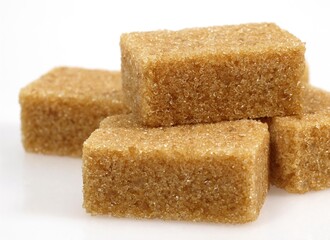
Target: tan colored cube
x=211, y=172
x=61, y=109
x=300, y=146
x=203, y=75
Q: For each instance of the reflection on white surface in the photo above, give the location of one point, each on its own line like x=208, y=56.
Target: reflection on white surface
x=52, y=185
x=41, y=196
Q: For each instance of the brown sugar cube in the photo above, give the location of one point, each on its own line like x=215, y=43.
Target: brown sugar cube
x=61, y=109
x=203, y=75
x=300, y=146
x=212, y=172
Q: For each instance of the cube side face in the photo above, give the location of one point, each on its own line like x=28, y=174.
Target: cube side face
x=285, y=153
x=60, y=126
x=213, y=88
x=300, y=156
x=132, y=75
x=315, y=155
x=169, y=186
x=261, y=171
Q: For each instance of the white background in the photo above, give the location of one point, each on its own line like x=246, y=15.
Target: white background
x=41, y=197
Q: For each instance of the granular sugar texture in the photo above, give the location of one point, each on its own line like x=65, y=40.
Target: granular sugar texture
x=203, y=75
x=212, y=172
x=61, y=109
x=300, y=146
x=305, y=77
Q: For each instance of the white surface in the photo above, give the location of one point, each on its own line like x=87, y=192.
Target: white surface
x=41, y=196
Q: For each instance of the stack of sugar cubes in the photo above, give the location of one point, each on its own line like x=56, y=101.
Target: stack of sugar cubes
x=196, y=125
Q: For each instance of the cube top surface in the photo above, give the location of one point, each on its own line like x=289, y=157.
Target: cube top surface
x=244, y=38
x=315, y=100
x=77, y=83
x=237, y=138
x=316, y=108
x=307, y=121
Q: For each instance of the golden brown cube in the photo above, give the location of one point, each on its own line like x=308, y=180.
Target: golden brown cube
x=211, y=172
x=300, y=146
x=203, y=75
x=61, y=109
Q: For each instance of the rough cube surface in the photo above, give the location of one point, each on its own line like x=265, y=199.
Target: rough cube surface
x=212, y=172
x=305, y=77
x=300, y=146
x=212, y=74
x=61, y=109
